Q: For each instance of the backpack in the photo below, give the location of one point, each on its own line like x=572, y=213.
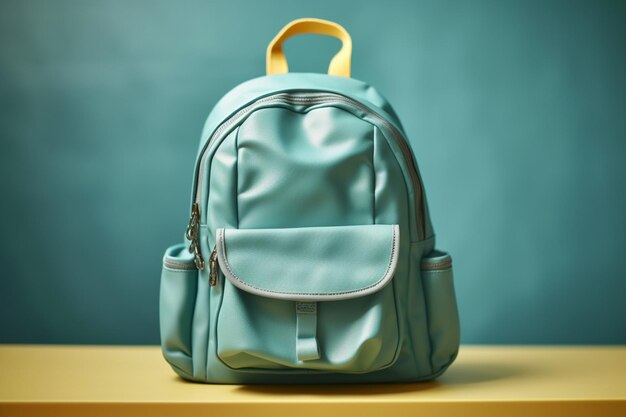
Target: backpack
x=309, y=256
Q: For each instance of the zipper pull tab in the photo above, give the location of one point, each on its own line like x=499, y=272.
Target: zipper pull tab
x=193, y=235
x=213, y=267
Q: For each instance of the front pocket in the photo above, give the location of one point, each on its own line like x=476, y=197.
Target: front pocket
x=177, y=298
x=441, y=308
x=316, y=298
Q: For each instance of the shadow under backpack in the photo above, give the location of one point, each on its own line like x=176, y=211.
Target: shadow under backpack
x=309, y=256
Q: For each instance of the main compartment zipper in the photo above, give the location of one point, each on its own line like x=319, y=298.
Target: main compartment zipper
x=193, y=236
x=302, y=99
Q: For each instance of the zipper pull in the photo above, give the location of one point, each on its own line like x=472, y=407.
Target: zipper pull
x=214, y=272
x=193, y=235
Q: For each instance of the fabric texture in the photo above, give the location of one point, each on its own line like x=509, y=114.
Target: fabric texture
x=309, y=256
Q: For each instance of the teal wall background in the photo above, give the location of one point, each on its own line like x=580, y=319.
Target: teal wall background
x=516, y=111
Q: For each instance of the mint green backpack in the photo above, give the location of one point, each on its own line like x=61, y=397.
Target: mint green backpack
x=309, y=255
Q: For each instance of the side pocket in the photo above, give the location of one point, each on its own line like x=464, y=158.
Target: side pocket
x=179, y=284
x=443, y=317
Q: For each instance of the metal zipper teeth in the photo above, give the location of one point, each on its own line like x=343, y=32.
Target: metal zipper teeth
x=322, y=98
x=434, y=266
x=183, y=266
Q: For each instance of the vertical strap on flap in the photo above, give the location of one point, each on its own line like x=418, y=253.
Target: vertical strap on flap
x=307, y=348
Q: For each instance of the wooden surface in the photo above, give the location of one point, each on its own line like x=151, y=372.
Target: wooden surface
x=485, y=380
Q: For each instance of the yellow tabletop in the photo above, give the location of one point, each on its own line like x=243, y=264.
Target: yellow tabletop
x=485, y=380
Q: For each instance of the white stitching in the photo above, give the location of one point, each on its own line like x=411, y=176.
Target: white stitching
x=395, y=231
x=393, y=246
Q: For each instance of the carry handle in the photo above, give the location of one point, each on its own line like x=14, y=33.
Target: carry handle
x=276, y=63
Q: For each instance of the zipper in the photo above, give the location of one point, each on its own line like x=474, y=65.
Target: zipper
x=213, y=268
x=298, y=98
x=193, y=236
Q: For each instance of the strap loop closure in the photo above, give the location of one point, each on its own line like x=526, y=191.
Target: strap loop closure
x=307, y=348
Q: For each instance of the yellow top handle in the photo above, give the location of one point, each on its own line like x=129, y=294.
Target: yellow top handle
x=340, y=64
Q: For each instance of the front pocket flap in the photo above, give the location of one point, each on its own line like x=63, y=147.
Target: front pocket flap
x=309, y=263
